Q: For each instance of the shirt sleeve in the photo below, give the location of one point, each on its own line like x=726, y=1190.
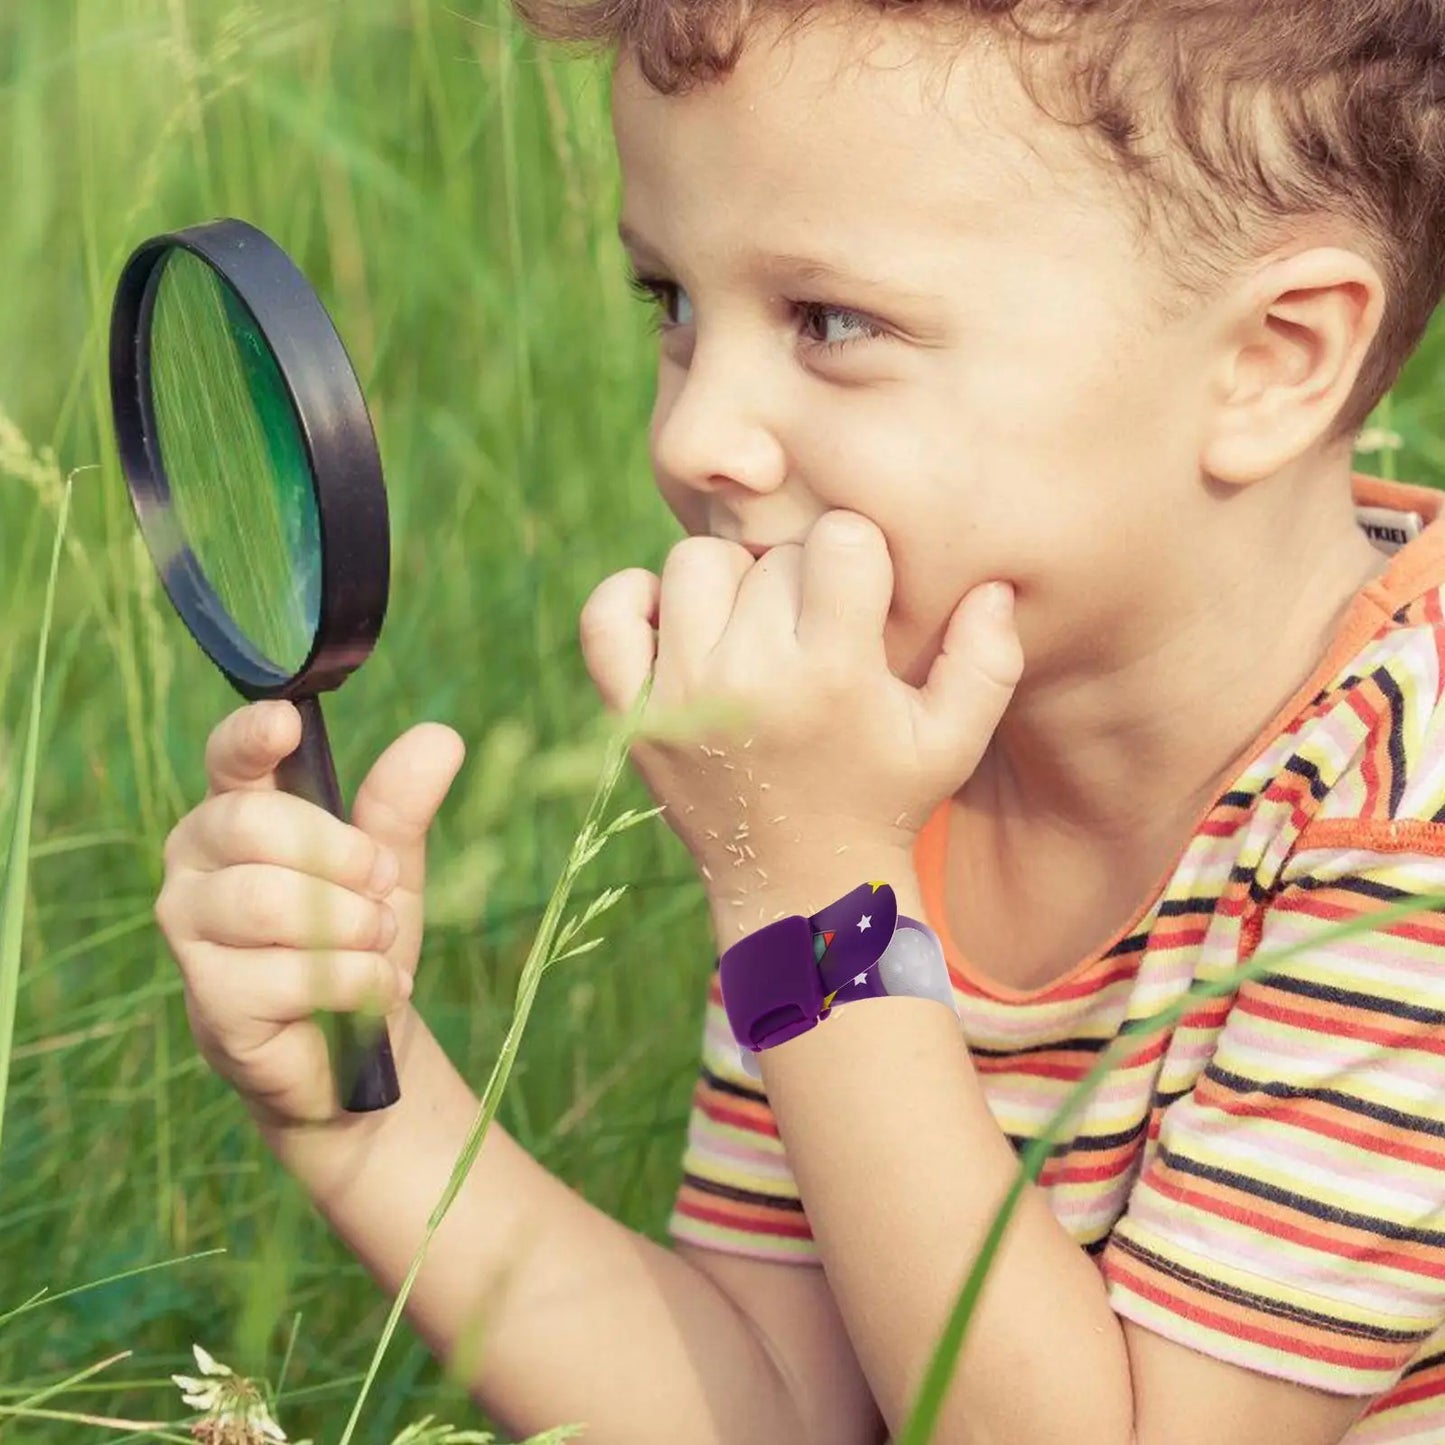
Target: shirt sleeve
x=1290, y=1215
x=737, y=1193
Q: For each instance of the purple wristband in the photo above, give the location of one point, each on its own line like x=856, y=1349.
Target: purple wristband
x=787, y=977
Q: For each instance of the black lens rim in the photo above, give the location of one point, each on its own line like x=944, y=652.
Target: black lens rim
x=336, y=430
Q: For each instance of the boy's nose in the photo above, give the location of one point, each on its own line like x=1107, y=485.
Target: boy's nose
x=718, y=427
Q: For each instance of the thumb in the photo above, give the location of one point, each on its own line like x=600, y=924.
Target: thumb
x=399, y=797
x=973, y=678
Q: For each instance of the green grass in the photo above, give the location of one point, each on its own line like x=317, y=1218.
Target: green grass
x=452, y=194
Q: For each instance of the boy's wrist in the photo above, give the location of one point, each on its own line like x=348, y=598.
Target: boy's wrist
x=859, y=943
x=743, y=909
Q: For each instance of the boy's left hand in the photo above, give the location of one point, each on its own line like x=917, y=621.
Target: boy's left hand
x=832, y=749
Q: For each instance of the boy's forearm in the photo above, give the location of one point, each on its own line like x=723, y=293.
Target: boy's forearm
x=562, y=1313
x=899, y=1214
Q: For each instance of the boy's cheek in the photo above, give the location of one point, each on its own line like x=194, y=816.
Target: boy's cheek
x=923, y=607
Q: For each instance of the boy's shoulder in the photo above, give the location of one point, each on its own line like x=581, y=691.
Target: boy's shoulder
x=1371, y=739
x=1382, y=721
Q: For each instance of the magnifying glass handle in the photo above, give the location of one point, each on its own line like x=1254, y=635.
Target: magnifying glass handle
x=365, y=1069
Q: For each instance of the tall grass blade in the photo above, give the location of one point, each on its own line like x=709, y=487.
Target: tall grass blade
x=17, y=865
x=44, y=1297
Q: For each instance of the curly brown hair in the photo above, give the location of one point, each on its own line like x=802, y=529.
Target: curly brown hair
x=1270, y=111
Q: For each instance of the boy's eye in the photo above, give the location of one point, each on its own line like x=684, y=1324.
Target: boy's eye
x=662, y=294
x=851, y=326
x=817, y=319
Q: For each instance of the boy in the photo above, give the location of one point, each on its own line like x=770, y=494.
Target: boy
x=1090, y=300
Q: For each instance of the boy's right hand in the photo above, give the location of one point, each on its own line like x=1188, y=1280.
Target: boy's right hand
x=274, y=909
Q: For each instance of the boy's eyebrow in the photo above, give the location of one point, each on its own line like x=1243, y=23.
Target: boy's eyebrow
x=801, y=268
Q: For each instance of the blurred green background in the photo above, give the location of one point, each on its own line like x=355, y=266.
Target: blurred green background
x=450, y=190
x=451, y=193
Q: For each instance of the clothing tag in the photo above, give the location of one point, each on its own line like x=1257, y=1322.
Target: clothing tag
x=1388, y=529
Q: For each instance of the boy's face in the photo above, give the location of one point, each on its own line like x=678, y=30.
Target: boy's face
x=1027, y=412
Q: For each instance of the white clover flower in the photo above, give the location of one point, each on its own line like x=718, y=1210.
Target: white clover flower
x=235, y=1411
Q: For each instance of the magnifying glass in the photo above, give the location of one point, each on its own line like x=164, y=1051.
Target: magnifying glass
x=256, y=479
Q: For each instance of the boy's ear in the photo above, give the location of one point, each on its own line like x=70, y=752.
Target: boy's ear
x=1293, y=352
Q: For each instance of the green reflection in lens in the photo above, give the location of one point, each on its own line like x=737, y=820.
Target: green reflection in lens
x=233, y=453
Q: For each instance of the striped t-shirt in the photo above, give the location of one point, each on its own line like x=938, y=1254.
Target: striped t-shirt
x=1265, y=1183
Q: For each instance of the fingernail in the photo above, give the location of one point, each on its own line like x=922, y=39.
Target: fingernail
x=999, y=600
x=407, y=984
x=851, y=530
x=384, y=872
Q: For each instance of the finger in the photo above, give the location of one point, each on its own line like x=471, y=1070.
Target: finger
x=847, y=587
x=973, y=678
x=399, y=797
x=245, y=748
x=700, y=583
x=616, y=632
x=762, y=639
x=288, y=832
x=254, y=905
x=284, y=985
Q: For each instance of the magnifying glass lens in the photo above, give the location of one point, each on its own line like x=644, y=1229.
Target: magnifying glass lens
x=236, y=460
